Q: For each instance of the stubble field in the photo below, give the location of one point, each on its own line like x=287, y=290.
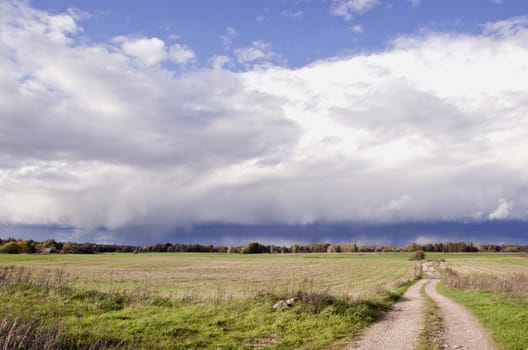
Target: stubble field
x=225, y=301
x=208, y=301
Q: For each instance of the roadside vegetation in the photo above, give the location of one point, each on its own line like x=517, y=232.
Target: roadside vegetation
x=161, y=301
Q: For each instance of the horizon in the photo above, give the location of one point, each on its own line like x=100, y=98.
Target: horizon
x=398, y=234
x=376, y=121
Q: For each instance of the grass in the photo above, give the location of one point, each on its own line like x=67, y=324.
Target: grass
x=200, y=301
x=430, y=336
x=494, y=288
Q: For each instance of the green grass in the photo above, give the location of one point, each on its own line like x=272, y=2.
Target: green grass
x=202, y=301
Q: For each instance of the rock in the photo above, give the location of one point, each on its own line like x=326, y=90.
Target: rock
x=291, y=301
x=281, y=304
x=284, y=303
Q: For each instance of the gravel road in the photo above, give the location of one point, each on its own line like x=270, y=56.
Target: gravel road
x=400, y=328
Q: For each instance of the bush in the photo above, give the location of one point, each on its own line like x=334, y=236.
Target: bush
x=418, y=255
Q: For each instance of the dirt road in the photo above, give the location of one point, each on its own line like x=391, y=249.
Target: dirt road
x=399, y=330
x=461, y=330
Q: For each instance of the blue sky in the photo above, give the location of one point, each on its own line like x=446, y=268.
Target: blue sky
x=301, y=31
x=284, y=121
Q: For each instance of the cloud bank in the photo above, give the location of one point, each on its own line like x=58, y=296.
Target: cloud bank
x=105, y=135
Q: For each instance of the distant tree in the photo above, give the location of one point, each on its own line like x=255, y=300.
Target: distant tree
x=350, y=247
x=255, y=248
x=10, y=248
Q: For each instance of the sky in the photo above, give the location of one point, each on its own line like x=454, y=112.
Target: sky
x=285, y=121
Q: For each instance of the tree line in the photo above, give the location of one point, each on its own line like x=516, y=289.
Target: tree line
x=51, y=246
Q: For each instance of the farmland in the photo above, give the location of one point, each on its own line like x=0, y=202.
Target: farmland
x=225, y=301
x=205, y=301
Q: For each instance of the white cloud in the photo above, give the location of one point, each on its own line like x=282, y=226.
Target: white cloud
x=181, y=54
x=356, y=28
x=257, y=52
x=348, y=8
x=228, y=36
x=508, y=27
x=292, y=14
x=416, y=3
x=498, y=2
x=220, y=61
x=149, y=51
x=418, y=131
x=154, y=51
x=502, y=211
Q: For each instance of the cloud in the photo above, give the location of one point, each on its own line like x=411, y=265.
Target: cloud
x=257, y=52
x=356, y=28
x=228, y=36
x=348, y=8
x=292, y=14
x=149, y=51
x=502, y=211
x=220, y=61
x=153, y=51
x=103, y=137
x=509, y=27
x=416, y=3
x=181, y=54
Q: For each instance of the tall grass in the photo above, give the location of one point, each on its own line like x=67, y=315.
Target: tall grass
x=516, y=283
x=30, y=319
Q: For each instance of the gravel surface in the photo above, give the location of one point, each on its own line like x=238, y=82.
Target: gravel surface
x=400, y=328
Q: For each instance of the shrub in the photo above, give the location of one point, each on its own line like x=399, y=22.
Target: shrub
x=418, y=255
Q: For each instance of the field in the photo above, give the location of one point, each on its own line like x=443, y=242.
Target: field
x=225, y=301
x=207, y=301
